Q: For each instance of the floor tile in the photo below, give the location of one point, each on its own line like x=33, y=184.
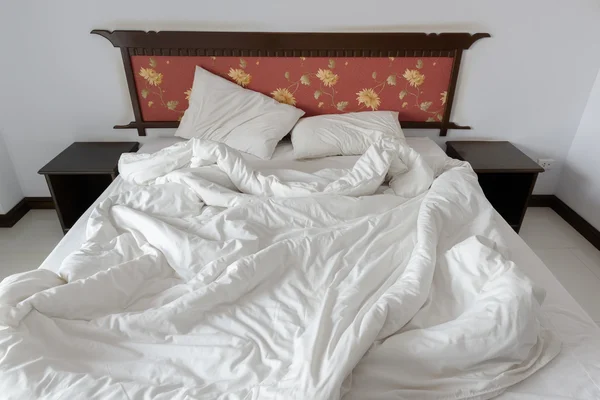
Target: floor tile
x=590, y=256
x=544, y=229
x=555, y=241
x=28, y=243
x=567, y=229
x=575, y=276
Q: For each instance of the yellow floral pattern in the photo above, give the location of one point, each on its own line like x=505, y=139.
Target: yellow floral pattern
x=326, y=76
x=153, y=81
x=414, y=77
x=284, y=96
x=369, y=98
x=151, y=76
x=240, y=76
x=416, y=87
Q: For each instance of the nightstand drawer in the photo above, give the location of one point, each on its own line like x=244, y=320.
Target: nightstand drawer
x=74, y=194
x=78, y=176
x=508, y=193
x=505, y=173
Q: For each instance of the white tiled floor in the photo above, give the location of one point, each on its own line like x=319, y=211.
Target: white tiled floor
x=572, y=259
x=26, y=245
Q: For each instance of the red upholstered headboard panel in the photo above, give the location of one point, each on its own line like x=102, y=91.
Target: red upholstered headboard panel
x=413, y=73
x=416, y=87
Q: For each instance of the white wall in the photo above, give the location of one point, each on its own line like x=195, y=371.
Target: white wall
x=579, y=184
x=528, y=84
x=10, y=191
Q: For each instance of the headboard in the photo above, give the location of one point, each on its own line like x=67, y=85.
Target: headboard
x=413, y=73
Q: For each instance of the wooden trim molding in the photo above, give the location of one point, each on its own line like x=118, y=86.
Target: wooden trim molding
x=541, y=200
x=585, y=229
x=286, y=44
x=9, y=219
x=290, y=44
x=40, y=203
x=405, y=125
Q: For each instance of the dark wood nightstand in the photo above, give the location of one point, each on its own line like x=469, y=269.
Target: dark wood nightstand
x=506, y=175
x=79, y=175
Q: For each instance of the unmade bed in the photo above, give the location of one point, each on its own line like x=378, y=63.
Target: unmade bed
x=573, y=374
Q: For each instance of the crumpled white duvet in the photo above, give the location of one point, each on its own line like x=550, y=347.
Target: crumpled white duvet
x=211, y=280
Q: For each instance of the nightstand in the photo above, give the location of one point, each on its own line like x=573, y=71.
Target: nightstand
x=506, y=175
x=79, y=175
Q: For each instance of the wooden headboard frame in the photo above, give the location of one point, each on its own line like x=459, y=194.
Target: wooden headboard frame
x=188, y=43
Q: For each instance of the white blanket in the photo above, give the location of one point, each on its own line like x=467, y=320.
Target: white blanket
x=211, y=280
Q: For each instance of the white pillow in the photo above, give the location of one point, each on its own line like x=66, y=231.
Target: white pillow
x=343, y=134
x=224, y=112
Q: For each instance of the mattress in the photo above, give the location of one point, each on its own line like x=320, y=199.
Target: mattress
x=574, y=374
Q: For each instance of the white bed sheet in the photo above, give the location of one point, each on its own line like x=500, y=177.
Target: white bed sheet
x=574, y=374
